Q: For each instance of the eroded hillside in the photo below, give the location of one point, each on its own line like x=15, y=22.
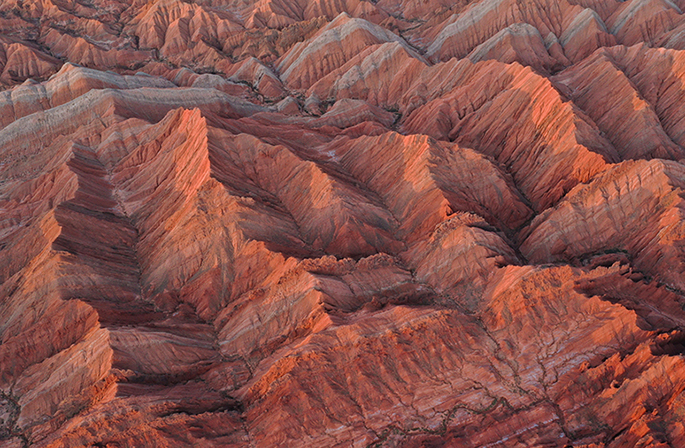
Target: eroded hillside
x=333, y=223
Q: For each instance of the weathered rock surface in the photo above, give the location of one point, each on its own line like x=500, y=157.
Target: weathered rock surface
x=334, y=223
x=330, y=48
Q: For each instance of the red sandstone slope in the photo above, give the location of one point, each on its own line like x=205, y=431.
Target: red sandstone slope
x=343, y=223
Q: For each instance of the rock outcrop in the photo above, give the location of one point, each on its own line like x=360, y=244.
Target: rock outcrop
x=333, y=223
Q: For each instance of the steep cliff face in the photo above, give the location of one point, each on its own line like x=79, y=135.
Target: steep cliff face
x=333, y=223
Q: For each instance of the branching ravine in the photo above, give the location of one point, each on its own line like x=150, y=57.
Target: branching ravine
x=444, y=423
x=9, y=429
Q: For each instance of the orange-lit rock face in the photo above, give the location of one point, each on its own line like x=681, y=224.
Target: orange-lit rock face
x=318, y=223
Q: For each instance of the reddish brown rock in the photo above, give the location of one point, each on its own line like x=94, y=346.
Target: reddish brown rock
x=584, y=35
x=633, y=207
x=482, y=20
x=68, y=84
x=519, y=119
x=367, y=75
x=260, y=77
x=648, y=68
x=602, y=89
x=81, y=51
x=322, y=223
x=520, y=43
x=20, y=61
x=397, y=385
x=643, y=20
x=340, y=40
x=422, y=181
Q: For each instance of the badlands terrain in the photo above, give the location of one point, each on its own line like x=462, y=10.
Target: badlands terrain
x=342, y=223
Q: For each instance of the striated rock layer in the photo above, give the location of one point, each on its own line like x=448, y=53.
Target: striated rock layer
x=336, y=223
